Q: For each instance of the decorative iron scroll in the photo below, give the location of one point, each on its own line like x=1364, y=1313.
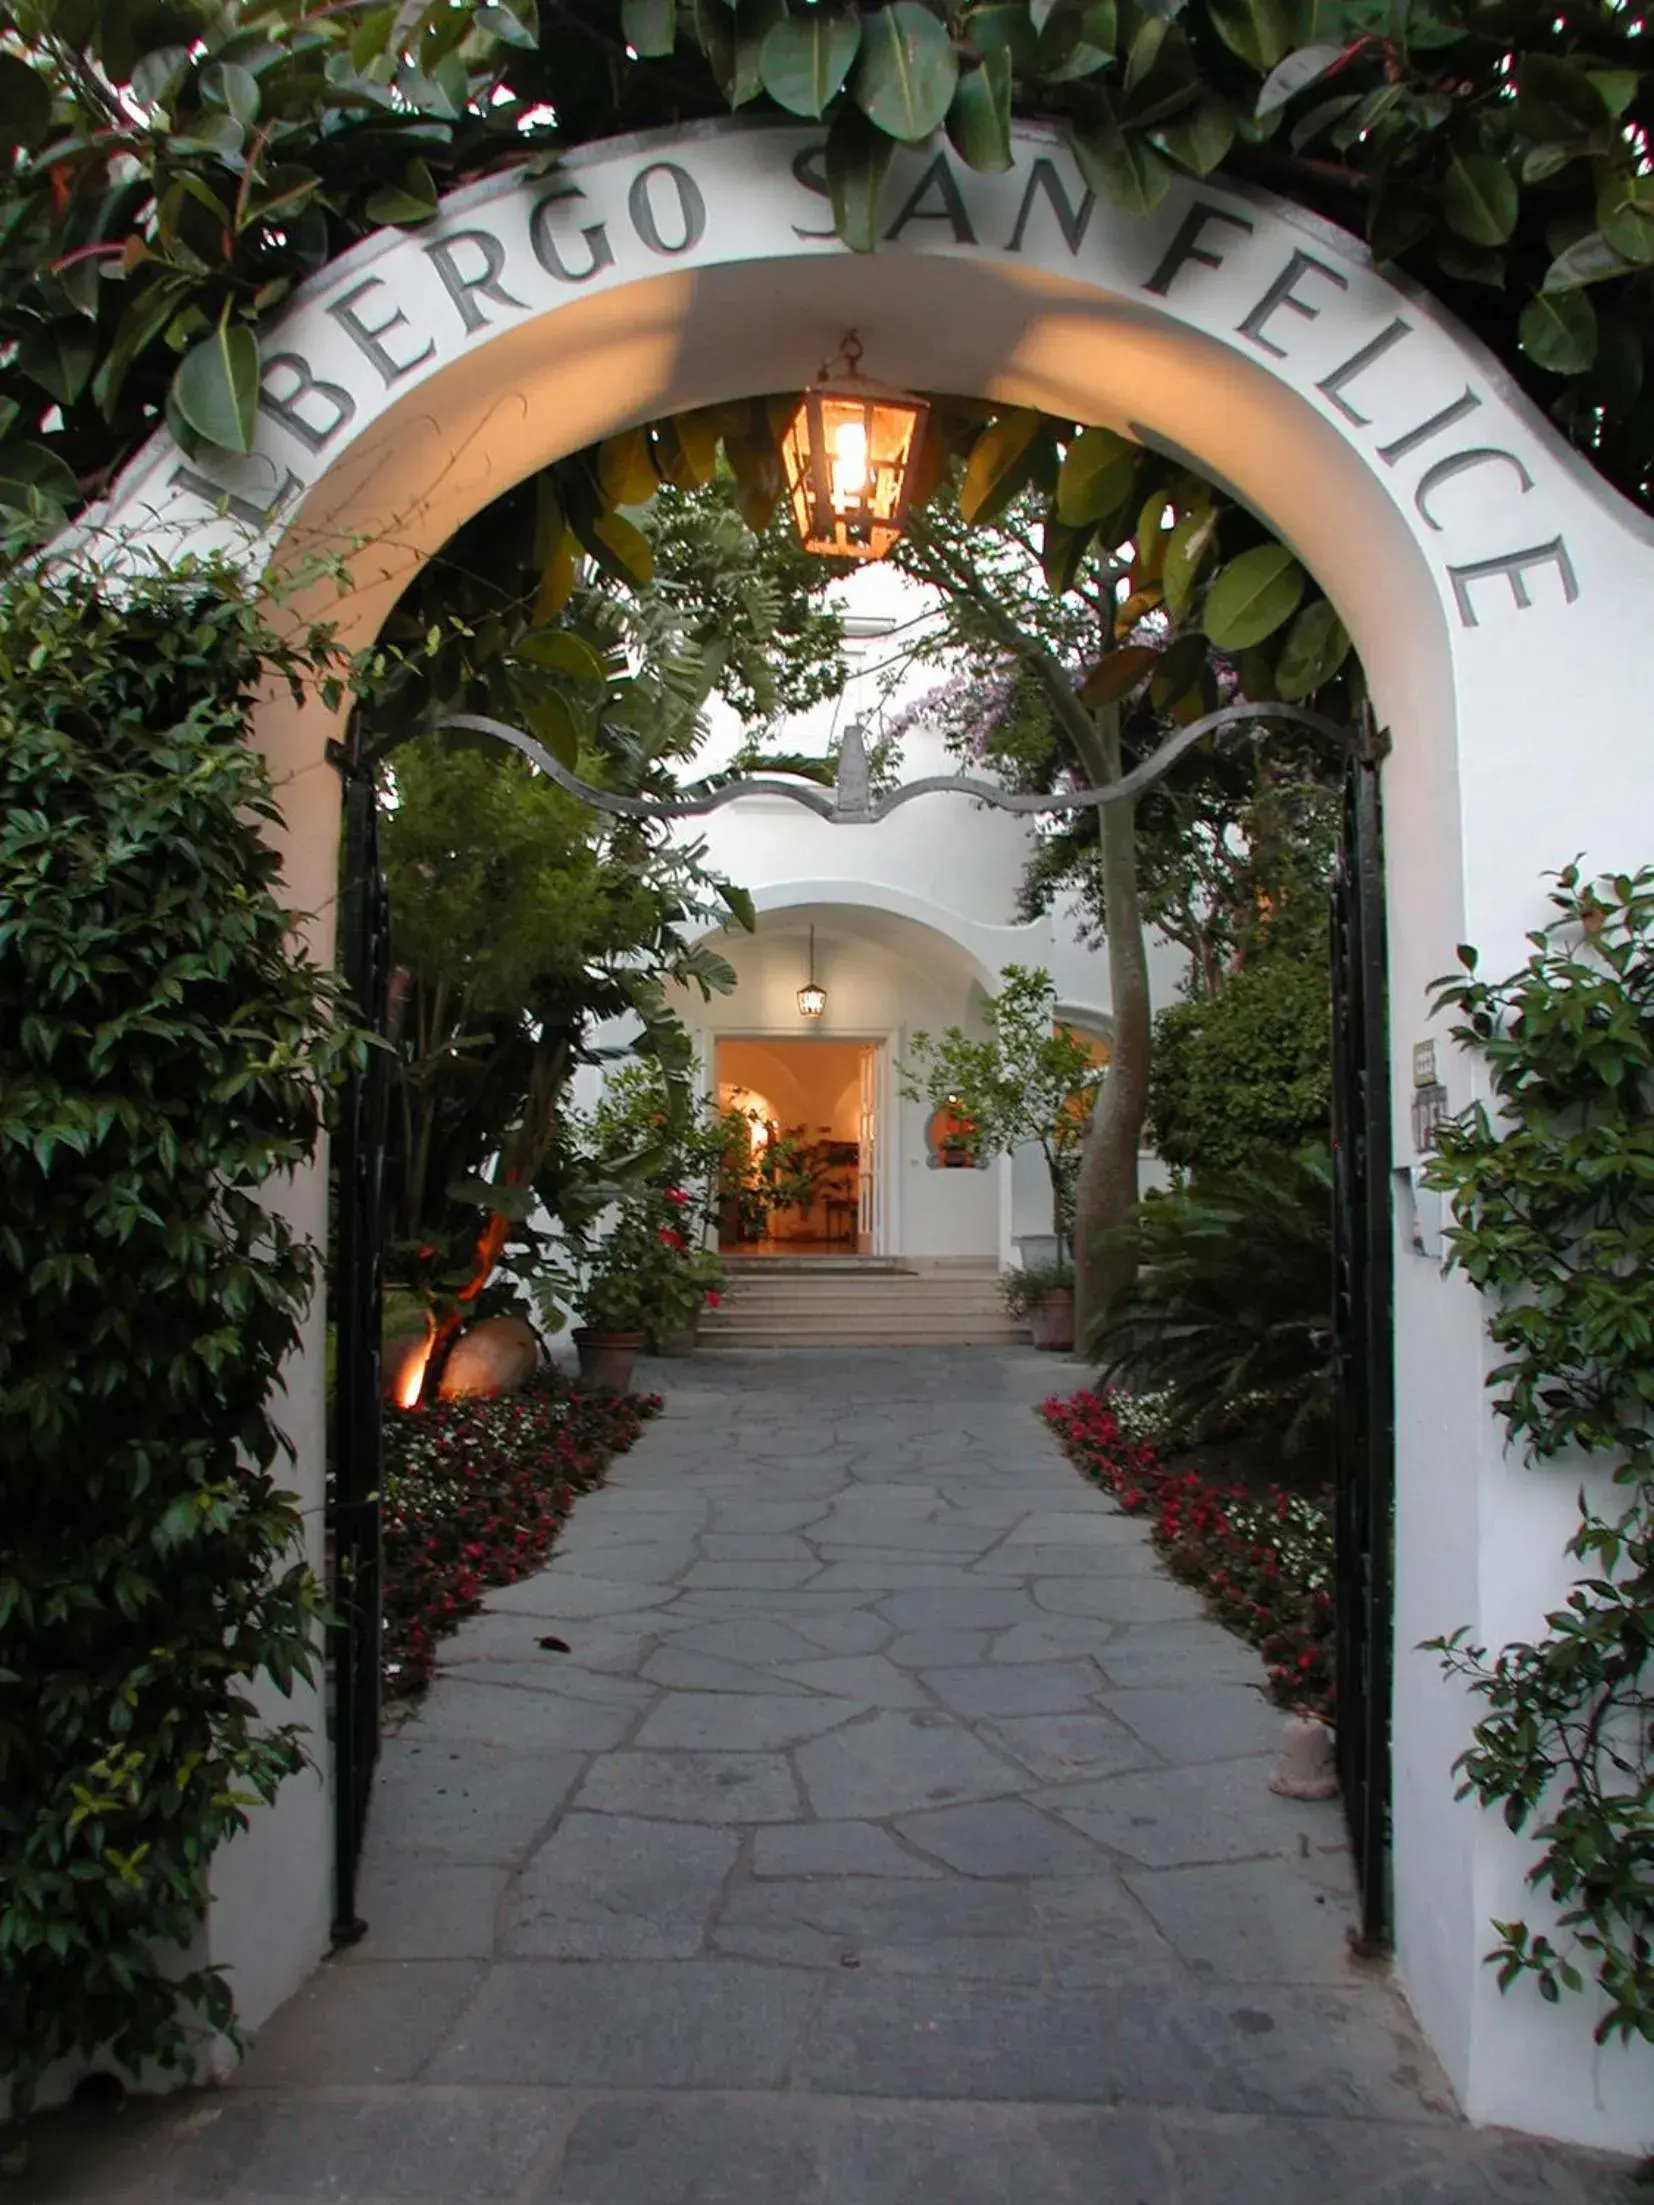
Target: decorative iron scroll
x=853, y=804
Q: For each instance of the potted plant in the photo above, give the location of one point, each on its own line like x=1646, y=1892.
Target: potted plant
x=1026, y=1081
x=627, y=1285
x=1044, y=1294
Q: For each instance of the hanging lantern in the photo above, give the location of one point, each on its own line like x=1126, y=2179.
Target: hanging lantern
x=812, y=997
x=850, y=453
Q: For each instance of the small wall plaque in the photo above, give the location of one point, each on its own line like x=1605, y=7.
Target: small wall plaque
x=1424, y=1064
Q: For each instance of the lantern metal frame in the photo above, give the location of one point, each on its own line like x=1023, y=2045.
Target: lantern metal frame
x=830, y=523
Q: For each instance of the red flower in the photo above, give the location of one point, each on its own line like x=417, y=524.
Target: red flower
x=713, y=1297
x=670, y=1239
x=676, y=1196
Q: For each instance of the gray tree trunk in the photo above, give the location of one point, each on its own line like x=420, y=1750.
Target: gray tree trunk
x=1108, y=1191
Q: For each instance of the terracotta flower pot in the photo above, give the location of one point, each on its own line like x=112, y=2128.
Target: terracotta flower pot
x=606, y=1357
x=1051, y=1320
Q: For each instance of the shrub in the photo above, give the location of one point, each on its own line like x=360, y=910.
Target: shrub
x=1231, y=1312
x=1553, y=1219
x=1246, y=1072
x=1023, y=1291
x=163, y=1053
x=475, y=1492
x=1264, y=1561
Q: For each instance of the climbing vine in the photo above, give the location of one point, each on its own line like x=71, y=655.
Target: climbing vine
x=1553, y=1203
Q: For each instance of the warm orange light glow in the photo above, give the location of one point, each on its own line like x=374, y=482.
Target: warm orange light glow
x=411, y=1377
x=850, y=452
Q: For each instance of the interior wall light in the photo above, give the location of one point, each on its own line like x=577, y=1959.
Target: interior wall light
x=812, y=996
x=851, y=453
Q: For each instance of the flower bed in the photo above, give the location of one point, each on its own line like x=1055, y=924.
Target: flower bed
x=474, y=1495
x=1263, y=1560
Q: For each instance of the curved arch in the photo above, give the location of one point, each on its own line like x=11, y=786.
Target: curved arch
x=1495, y=589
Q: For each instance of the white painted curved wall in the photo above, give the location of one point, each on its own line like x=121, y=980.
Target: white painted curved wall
x=1497, y=593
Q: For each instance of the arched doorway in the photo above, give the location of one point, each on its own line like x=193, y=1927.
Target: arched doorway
x=1491, y=584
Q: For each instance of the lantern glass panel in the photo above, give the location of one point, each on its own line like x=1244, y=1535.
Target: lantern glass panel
x=849, y=454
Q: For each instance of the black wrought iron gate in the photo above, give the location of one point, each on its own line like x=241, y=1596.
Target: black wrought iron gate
x=358, y=1150
x=1362, y=1306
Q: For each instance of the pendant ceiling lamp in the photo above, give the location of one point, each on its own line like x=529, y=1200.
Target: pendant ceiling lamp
x=812, y=997
x=850, y=453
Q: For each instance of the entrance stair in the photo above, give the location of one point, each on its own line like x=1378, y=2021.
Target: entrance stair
x=856, y=1301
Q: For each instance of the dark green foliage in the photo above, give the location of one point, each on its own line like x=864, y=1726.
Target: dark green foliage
x=1232, y=1309
x=1553, y=1207
x=163, y=1053
x=1246, y=1071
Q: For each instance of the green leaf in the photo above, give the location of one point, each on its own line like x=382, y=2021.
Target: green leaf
x=1260, y=31
x=858, y=161
x=907, y=71
x=235, y=89
x=1316, y=646
x=621, y=549
x=1098, y=471
x=512, y=22
x=1558, y=331
x=806, y=58
x=1252, y=596
x=979, y=121
x=1200, y=138
x=1307, y=66
x=1590, y=259
x=1120, y=165
x=686, y=451
x=649, y=26
x=553, y=718
x=402, y=205
x=1479, y=198
x=739, y=904
x=1186, y=547
x=60, y=356
x=1062, y=553
x=625, y=472
x=26, y=468
x=1001, y=464
x=561, y=651
x=25, y=105
x=215, y=386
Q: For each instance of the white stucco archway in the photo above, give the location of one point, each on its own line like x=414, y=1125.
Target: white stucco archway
x=1495, y=589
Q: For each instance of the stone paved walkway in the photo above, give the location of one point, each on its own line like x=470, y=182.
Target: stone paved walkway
x=894, y=1833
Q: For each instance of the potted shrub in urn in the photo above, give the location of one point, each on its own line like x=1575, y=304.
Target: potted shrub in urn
x=628, y=1281
x=1044, y=1294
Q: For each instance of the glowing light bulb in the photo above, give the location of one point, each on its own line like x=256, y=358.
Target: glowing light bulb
x=849, y=462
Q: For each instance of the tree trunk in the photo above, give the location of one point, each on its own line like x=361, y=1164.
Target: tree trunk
x=1108, y=1164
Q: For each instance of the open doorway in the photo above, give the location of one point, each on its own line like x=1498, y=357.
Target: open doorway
x=808, y=1183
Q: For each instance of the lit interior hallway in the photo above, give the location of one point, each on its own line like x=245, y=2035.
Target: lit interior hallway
x=894, y=1833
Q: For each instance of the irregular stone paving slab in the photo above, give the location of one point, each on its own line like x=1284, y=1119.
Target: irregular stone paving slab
x=735, y=1722
x=615, y=1887
x=894, y=1832
x=834, y=1849
x=894, y=1762
x=1198, y=1722
x=694, y=1787
x=1174, y=1818
x=1000, y=1837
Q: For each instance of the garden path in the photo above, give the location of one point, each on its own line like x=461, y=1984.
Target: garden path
x=893, y=1833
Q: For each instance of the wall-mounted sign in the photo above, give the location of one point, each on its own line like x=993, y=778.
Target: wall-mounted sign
x=1424, y=1064
x=1429, y=1109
